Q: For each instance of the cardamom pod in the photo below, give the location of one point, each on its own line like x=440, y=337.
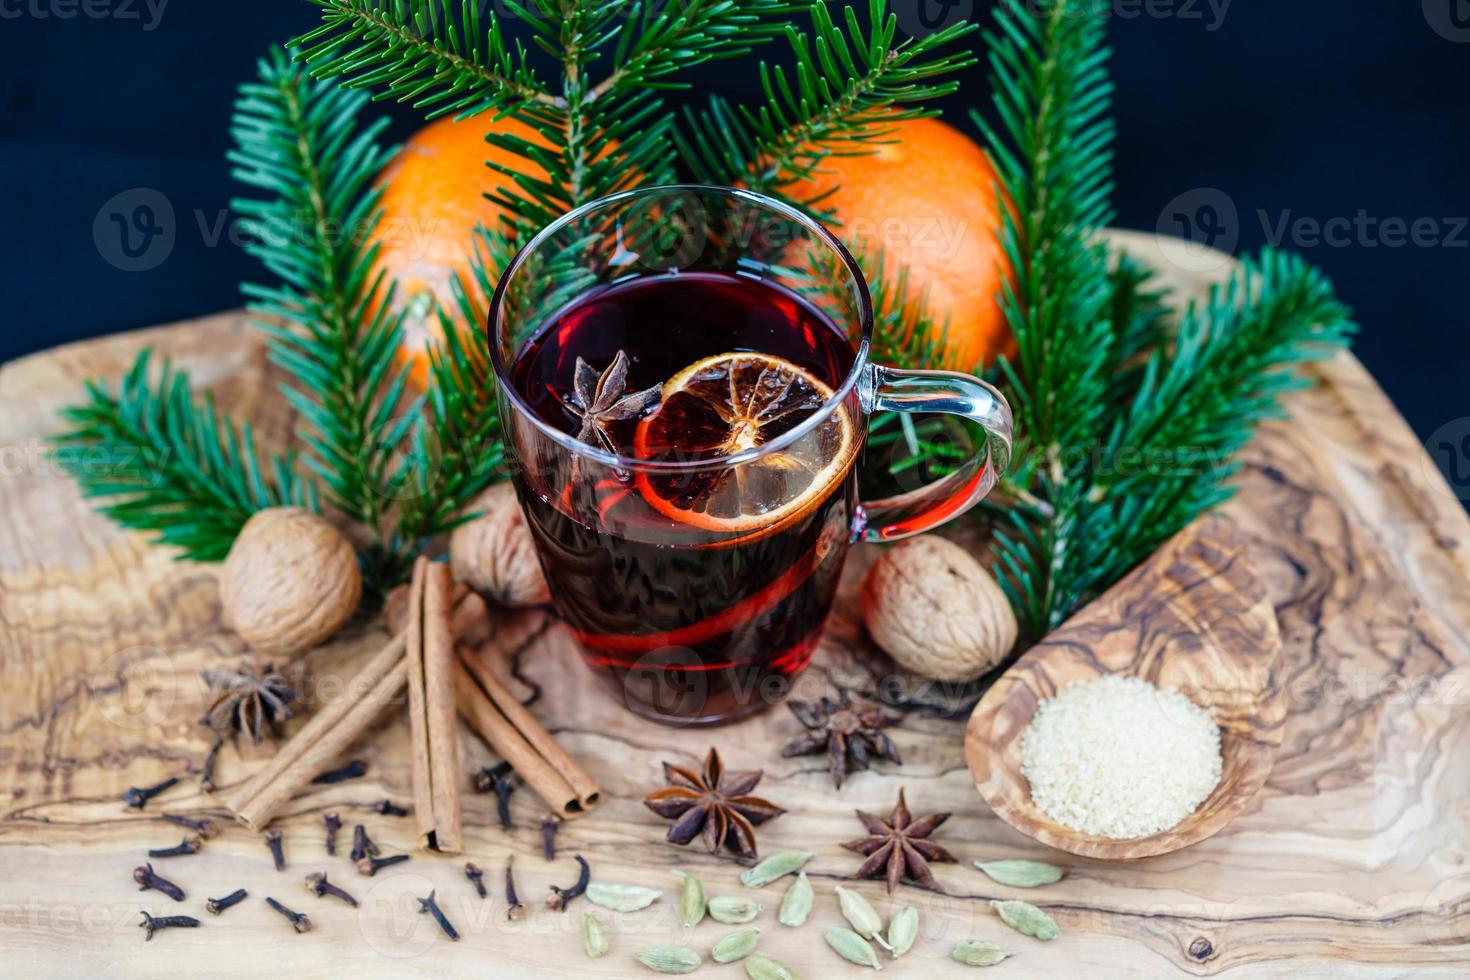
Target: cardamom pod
x=621, y=898
x=669, y=959
x=594, y=936
x=797, y=904
x=851, y=947
x=1021, y=874
x=732, y=911
x=978, y=952
x=735, y=946
x=1026, y=919
x=759, y=967
x=903, y=930
x=775, y=866
x=864, y=918
x=691, y=901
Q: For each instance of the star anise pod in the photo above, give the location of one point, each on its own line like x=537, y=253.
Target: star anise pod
x=714, y=802
x=245, y=702
x=899, y=847
x=598, y=401
x=849, y=735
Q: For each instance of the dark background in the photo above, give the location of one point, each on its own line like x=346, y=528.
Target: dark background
x=1278, y=111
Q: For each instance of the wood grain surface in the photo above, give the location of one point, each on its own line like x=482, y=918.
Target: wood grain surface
x=1350, y=862
x=1195, y=618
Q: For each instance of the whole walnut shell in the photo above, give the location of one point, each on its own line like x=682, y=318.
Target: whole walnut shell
x=936, y=611
x=289, y=582
x=494, y=554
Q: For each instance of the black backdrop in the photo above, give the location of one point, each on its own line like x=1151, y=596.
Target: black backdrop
x=1339, y=129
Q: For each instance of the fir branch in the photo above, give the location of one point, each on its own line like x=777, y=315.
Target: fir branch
x=844, y=93
x=331, y=328
x=418, y=51
x=170, y=466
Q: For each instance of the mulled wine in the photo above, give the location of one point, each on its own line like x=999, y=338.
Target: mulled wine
x=697, y=571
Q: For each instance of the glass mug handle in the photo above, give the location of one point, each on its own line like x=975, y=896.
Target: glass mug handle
x=887, y=389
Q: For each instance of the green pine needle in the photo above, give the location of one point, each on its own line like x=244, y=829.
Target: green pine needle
x=847, y=88
x=167, y=465
x=328, y=319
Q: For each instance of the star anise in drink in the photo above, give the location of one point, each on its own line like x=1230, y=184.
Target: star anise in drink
x=598, y=401
x=246, y=702
x=714, y=803
x=899, y=847
x=849, y=735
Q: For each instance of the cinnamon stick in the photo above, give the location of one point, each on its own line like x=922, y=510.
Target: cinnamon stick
x=545, y=746
x=436, y=770
x=321, y=740
x=338, y=725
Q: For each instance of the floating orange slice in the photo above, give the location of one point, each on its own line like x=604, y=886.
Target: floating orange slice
x=727, y=404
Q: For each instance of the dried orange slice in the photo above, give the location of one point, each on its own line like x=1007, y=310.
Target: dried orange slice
x=729, y=403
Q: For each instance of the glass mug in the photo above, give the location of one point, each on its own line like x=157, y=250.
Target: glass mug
x=685, y=389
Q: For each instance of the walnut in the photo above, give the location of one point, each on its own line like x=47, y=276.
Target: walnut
x=936, y=611
x=494, y=554
x=289, y=582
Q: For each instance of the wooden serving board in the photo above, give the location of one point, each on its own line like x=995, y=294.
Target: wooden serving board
x=1351, y=862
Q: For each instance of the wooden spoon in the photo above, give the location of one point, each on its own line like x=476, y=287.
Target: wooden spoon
x=1194, y=617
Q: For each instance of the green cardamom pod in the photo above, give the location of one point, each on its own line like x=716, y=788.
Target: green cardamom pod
x=864, y=918
x=669, y=959
x=594, y=936
x=621, y=898
x=1021, y=874
x=903, y=930
x=851, y=947
x=1027, y=919
x=797, y=904
x=759, y=967
x=732, y=911
x=978, y=952
x=775, y=866
x=691, y=901
x=735, y=946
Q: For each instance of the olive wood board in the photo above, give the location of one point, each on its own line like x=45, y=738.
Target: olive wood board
x=1351, y=861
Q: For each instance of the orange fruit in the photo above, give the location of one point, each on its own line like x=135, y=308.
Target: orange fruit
x=929, y=200
x=730, y=403
x=433, y=197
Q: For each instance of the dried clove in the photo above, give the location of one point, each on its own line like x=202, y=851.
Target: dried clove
x=362, y=844
x=189, y=845
x=476, y=876
x=206, y=773
x=560, y=898
x=136, y=797
x=371, y=865
x=146, y=879
x=352, y=770
x=549, y=826
x=514, y=910
x=273, y=841
x=333, y=824
x=298, y=920
x=318, y=885
x=204, y=828
x=388, y=809
x=152, y=924
x=428, y=905
x=218, y=905
x=485, y=778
